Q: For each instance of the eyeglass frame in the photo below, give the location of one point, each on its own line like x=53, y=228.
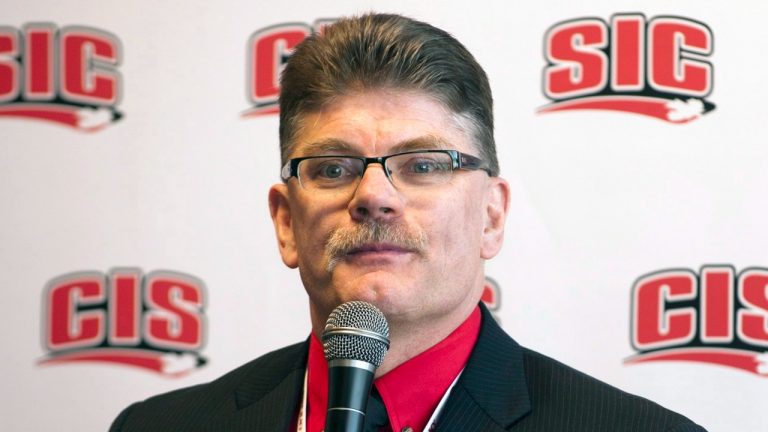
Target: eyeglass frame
x=459, y=160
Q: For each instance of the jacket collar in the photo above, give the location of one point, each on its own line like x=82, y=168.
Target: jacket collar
x=491, y=394
x=268, y=396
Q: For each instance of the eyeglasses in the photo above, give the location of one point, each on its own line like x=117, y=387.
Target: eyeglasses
x=412, y=169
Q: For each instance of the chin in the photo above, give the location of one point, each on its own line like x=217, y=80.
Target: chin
x=388, y=298
x=388, y=290
x=380, y=296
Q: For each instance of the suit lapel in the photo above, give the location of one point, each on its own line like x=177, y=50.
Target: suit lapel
x=491, y=394
x=267, y=399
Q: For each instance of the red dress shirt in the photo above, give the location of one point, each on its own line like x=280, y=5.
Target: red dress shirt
x=412, y=390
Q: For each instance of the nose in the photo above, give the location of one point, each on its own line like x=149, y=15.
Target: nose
x=375, y=197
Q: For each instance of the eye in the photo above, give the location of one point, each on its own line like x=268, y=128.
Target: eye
x=331, y=169
x=423, y=165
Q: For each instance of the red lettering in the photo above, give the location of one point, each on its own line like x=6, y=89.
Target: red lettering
x=578, y=56
x=69, y=326
x=87, y=58
x=628, y=52
x=671, y=67
x=9, y=65
x=124, y=307
x=38, y=59
x=83, y=310
x=655, y=324
x=578, y=64
x=175, y=319
x=717, y=294
x=753, y=319
x=268, y=51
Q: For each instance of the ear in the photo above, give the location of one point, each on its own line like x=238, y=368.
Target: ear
x=280, y=210
x=496, y=208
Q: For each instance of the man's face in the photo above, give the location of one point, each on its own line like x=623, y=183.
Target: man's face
x=432, y=268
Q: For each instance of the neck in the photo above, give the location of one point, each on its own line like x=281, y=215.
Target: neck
x=409, y=340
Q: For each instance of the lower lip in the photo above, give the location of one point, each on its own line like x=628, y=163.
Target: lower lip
x=377, y=256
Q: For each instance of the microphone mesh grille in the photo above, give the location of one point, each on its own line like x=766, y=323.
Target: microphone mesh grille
x=357, y=315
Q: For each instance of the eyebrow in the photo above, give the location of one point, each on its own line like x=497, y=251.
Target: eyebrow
x=426, y=142
x=335, y=145
x=326, y=146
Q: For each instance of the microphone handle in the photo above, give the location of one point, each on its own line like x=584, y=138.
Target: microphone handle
x=348, y=390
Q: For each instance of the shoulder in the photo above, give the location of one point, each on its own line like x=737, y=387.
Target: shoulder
x=184, y=408
x=565, y=395
x=537, y=393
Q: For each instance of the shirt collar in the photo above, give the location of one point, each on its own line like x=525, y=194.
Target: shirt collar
x=412, y=390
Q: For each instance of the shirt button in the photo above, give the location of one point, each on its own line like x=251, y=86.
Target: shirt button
x=407, y=429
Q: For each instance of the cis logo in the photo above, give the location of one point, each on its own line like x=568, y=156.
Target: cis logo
x=714, y=317
x=268, y=50
x=67, y=76
x=659, y=68
x=154, y=322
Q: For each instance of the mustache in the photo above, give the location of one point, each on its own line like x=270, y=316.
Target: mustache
x=342, y=241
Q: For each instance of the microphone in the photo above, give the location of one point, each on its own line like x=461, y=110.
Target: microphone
x=355, y=340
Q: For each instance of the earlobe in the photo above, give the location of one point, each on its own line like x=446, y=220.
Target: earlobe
x=280, y=210
x=496, y=208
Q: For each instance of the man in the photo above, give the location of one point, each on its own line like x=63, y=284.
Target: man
x=391, y=195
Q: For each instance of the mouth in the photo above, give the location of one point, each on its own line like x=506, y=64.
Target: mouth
x=378, y=248
x=377, y=255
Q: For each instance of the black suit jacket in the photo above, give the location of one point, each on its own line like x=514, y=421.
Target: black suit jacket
x=504, y=387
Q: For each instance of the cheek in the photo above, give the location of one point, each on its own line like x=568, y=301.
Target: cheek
x=453, y=230
x=462, y=226
x=312, y=225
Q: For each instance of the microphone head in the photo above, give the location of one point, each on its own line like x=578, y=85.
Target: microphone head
x=356, y=330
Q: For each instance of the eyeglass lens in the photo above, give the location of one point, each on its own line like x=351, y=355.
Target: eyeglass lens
x=404, y=170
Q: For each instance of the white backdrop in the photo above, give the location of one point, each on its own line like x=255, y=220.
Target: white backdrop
x=179, y=184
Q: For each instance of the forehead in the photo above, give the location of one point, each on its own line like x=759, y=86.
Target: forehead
x=381, y=122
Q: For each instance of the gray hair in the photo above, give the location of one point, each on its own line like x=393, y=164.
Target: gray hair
x=392, y=52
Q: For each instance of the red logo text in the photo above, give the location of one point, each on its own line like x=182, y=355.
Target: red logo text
x=67, y=76
x=713, y=317
x=658, y=67
x=268, y=50
x=154, y=321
